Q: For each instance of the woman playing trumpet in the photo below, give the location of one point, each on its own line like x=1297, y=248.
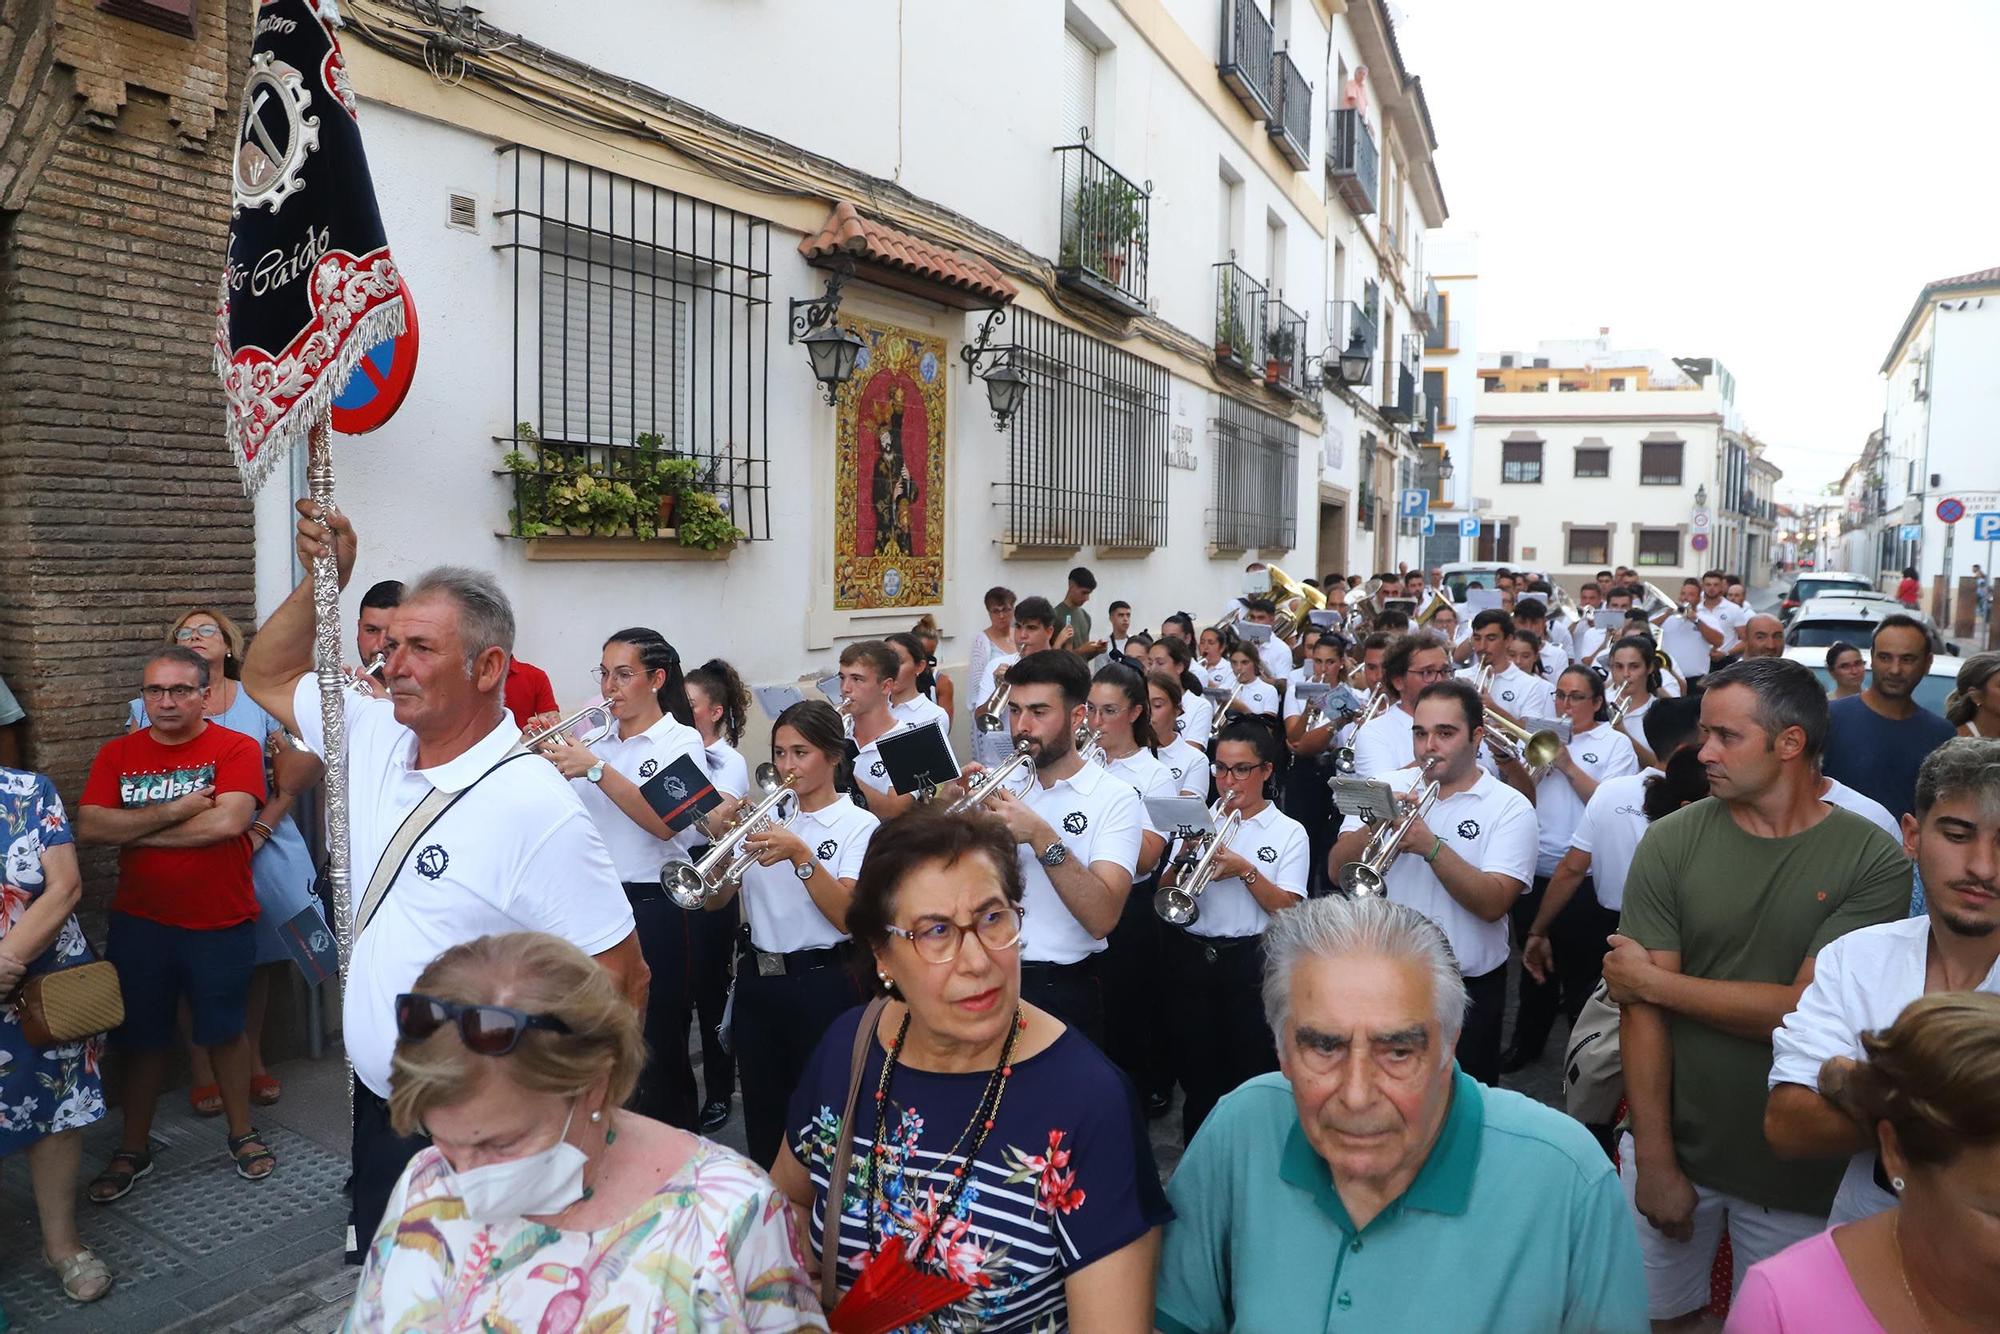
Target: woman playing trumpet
x=1635, y=683
x=1165, y=706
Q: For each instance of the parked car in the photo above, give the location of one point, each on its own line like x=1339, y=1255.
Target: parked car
x=1809, y=586
x=1830, y=618
x=1931, y=691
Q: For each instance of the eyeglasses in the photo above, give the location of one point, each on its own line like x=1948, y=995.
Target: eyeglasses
x=1574, y=697
x=178, y=694
x=617, y=676
x=188, y=633
x=1236, y=770
x=939, y=942
x=1430, y=673
x=488, y=1030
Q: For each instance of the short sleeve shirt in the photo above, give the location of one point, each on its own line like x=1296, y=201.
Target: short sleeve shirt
x=1385, y=744
x=1614, y=820
x=1879, y=757
x=1220, y=676
x=1725, y=616
x=1602, y=752
x=1492, y=827
x=1197, y=718
x=779, y=907
x=202, y=889
x=1276, y=845
x=917, y=710
x=1188, y=764
x=519, y=853
x=1148, y=777
x=635, y=853
x=1744, y=909
x=1276, y=655
x=1257, y=697
x=868, y=765
x=10, y=708
x=1098, y=820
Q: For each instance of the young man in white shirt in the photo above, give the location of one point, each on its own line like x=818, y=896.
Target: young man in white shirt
x=908, y=705
x=1214, y=966
x=1274, y=653
x=1865, y=978
x=1719, y=620
x=1463, y=863
x=867, y=678
x=1033, y=632
x=1079, y=830
x=1509, y=691
x=1532, y=615
x=1411, y=663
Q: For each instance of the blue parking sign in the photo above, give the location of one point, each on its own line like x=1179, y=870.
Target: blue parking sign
x=1430, y=527
x=1986, y=527
x=1415, y=501
x=1468, y=527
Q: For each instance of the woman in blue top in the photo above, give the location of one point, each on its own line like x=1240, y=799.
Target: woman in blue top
x=282, y=865
x=995, y=1144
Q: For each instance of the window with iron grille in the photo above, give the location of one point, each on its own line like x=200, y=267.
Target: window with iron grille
x=1659, y=546
x=1589, y=546
x=1660, y=463
x=1256, y=497
x=1087, y=448
x=1521, y=461
x=641, y=318
x=1593, y=461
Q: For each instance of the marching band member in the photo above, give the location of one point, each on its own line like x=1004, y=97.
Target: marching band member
x=1215, y=964
x=1184, y=760
x=1463, y=863
x=1328, y=668
x=1596, y=751
x=934, y=685
x=1214, y=669
x=1197, y=713
x=1384, y=745
x=1591, y=630
x=719, y=703
x=1510, y=690
x=1255, y=697
x=791, y=978
x=867, y=675
x=721, y=706
x=995, y=641
x=1179, y=626
x=1531, y=616
x=1078, y=831
x=1274, y=653
x=1637, y=674
x=907, y=704
x=1128, y=748
x=1373, y=649
x=1032, y=634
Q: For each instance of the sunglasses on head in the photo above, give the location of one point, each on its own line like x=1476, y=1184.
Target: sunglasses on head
x=489, y=1030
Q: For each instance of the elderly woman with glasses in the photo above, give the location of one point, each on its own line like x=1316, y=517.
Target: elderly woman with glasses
x=973, y=1135
x=541, y=1204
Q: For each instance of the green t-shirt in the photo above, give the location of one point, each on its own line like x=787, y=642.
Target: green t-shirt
x=1079, y=622
x=1744, y=909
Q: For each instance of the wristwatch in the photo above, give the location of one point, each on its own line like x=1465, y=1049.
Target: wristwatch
x=1054, y=855
x=595, y=773
x=804, y=870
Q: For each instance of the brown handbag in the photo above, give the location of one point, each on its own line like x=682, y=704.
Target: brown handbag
x=843, y=1159
x=70, y=1004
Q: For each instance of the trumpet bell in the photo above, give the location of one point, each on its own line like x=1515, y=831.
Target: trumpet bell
x=989, y=722
x=1362, y=881
x=684, y=885
x=1176, y=906
x=1439, y=602
x=1543, y=747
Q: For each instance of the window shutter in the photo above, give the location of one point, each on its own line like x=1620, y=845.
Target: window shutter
x=614, y=347
x=1079, y=86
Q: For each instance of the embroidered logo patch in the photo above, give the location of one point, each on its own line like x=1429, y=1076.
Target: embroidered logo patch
x=1075, y=822
x=432, y=861
x=1267, y=854
x=1468, y=829
x=1507, y=695
x=1589, y=758
x=827, y=849
x=649, y=768
x=878, y=769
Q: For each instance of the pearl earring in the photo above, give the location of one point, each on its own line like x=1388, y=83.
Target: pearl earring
x=597, y=1116
x=1896, y=1183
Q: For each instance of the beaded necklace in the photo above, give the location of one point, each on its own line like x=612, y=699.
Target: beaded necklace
x=979, y=1127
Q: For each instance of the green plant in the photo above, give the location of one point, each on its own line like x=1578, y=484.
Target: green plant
x=1281, y=342
x=568, y=490
x=1108, y=208
x=702, y=522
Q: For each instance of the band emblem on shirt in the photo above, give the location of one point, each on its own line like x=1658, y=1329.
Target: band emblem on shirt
x=1588, y=758
x=1267, y=854
x=1075, y=822
x=878, y=769
x=432, y=861
x=827, y=849
x=649, y=768
x=1507, y=695
x=1468, y=829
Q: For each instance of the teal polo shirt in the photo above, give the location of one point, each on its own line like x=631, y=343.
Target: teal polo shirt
x=1514, y=1223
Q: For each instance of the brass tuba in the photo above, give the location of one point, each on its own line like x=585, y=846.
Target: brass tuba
x=1299, y=599
x=1438, y=602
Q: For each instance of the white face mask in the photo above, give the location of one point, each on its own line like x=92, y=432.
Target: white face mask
x=538, y=1185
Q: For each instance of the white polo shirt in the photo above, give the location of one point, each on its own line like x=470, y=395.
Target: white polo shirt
x=1555, y=660
x=1491, y=826
x=1219, y=677
x=1840, y=794
x=1614, y=820
x=868, y=766
x=1277, y=846
x=1385, y=744
x=1256, y=697
x=781, y=912
x=1148, y=776
x=1188, y=764
x=1633, y=724
x=1725, y=616
x=1099, y=820
x=726, y=768
x=1684, y=645
x=920, y=709
x=635, y=853
x=1602, y=752
x=1585, y=640
x=518, y=854
x=1520, y=694
x=1197, y=717
x=1861, y=982
x=1276, y=655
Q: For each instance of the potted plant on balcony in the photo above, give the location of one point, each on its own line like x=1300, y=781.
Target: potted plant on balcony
x=1229, y=341
x=1279, y=347
x=1111, y=223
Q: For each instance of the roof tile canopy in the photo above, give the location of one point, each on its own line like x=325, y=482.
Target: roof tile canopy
x=893, y=258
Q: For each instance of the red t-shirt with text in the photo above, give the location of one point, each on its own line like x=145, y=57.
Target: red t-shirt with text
x=206, y=888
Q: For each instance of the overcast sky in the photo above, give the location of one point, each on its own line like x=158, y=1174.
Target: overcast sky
x=1769, y=182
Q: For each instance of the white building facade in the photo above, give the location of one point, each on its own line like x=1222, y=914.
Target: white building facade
x=1451, y=391
x=612, y=237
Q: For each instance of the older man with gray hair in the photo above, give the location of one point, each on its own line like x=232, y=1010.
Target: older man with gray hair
x=450, y=838
x=1321, y=1197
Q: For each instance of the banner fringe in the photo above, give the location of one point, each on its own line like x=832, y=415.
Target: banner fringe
x=384, y=322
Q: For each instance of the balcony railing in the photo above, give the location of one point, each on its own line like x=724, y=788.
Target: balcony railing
x=1448, y=414
x=1403, y=406
x=1285, y=350
x=1290, y=126
x=1106, y=223
x=1350, y=325
x=1443, y=337
x=1239, y=318
x=1245, y=64
x=1423, y=421
x=1428, y=307
x=1351, y=159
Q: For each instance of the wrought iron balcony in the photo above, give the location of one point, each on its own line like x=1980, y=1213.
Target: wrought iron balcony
x=1245, y=64
x=1351, y=160
x=1443, y=337
x=1427, y=310
x=1403, y=406
x=1290, y=126
x=1447, y=417
x=1351, y=331
x=1239, y=318
x=1285, y=350
x=1106, y=224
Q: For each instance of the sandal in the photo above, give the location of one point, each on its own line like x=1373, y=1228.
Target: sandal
x=83, y=1276
x=265, y=1089
x=249, y=1151
x=206, y=1100
x=125, y=1167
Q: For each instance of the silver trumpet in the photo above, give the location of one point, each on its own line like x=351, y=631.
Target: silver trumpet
x=358, y=682
x=846, y=711
x=692, y=884
x=586, y=727
x=992, y=715
x=1343, y=756
x=1482, y=679
x=1087, y=749
x=1367, y=877
x=1222, y=718
x=993, y=779
x=1180, y=904
x=1621, y=703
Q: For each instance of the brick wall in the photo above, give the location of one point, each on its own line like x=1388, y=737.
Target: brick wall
x=118, y=502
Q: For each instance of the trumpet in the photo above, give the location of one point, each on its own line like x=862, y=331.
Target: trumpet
x=993, y=779
x=992, y=715
x=1222, y=715
x=846, y=711
x=1621, y=701
x=1482, y=679
x=358, y=682
x=1343, y=756
x=1366, y=878
x=1180, y=904
x=1538, y=750
x=1085, y=741
x=692, y=884
x=586, y=727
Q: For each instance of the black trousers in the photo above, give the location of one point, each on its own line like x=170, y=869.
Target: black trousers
x=1215, y=1011
x=1577, y=940
x=1070, y=992
x=1133, y=991
x=1479, y=1041
x=666, y=934
x=379, y=1157
x=1309, y=801
x=715, y=937
x=777, y=1023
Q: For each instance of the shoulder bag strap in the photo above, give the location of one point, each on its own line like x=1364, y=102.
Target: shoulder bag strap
x=843, y=1158
x=418, y=822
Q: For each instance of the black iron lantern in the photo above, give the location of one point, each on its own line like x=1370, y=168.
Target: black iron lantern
x=831, y=349
x=1357, y=362
x=1005, y=386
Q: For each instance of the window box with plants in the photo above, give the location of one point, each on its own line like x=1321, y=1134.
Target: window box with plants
x=641, y=492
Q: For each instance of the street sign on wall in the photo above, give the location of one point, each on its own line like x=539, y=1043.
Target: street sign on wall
x=1951, y=509
x=1910, y=532
x=1699, y=541
x=1986, y=527
x=1469, y=527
